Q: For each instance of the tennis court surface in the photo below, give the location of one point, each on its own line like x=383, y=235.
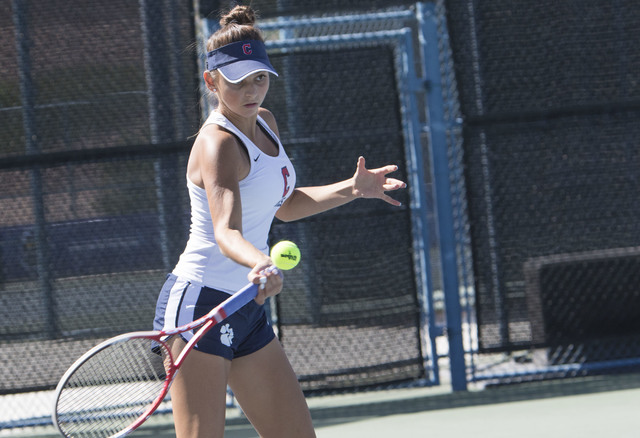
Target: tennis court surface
x=589, y=407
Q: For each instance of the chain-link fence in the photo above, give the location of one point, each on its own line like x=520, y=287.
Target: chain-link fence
x=92, y=160
x=96, y=211
x=550, y=101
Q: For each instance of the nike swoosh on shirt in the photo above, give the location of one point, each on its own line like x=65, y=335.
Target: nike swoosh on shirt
x=256, y=158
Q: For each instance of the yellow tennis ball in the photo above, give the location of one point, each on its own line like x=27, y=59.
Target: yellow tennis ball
x=285, y=255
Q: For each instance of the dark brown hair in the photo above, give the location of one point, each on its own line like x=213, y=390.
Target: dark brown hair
x=236, y=25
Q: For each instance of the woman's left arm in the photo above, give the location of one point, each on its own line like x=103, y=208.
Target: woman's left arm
x=365, y=183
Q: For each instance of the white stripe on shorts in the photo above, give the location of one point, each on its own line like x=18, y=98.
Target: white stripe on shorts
x=181, y=304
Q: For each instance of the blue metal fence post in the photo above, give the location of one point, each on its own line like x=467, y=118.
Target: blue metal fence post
x=429, y=38
x=408, y=86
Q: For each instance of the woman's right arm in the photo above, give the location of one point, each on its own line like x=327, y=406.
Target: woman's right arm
x=222, y=164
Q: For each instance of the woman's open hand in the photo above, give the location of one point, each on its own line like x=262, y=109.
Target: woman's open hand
x=373, y=183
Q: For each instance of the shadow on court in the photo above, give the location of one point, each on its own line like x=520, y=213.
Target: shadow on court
x=588, y=407
x=559, y=408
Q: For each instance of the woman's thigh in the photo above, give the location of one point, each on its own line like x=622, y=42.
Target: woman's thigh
x=267, y=389
x=198, y=394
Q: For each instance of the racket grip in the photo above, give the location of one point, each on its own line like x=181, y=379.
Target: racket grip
x=240, y=298
x=243, y=296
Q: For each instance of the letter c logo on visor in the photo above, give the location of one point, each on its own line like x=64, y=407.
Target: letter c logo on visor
x=246, y=49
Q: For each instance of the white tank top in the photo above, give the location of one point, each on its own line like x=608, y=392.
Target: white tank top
x=270, y=182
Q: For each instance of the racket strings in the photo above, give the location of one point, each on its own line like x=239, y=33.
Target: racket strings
x=111, y=389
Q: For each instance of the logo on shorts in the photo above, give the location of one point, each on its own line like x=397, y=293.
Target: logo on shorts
x=226, y=336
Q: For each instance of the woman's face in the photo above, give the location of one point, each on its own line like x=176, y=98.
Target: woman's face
x=245, y=97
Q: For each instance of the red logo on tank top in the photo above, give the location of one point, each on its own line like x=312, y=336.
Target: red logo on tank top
x=285, y=175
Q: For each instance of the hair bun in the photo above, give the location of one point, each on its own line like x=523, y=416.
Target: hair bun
x=242, y=15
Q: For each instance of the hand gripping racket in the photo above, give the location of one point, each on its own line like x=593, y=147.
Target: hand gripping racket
x=114, y=387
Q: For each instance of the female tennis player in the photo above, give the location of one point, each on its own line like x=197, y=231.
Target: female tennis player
x=239, y=177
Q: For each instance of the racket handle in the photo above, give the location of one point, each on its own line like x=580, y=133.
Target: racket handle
x=242, y=297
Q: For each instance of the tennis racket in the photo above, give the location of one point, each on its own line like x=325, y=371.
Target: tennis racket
x=114, y=387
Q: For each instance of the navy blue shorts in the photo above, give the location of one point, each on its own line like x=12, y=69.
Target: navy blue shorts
x=242, y=333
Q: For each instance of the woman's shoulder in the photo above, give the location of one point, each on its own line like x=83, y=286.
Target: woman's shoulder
x=215, y=136
x=216, y=149
x=269, y=119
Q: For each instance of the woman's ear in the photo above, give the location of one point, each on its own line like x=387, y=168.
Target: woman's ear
x=210, y=81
